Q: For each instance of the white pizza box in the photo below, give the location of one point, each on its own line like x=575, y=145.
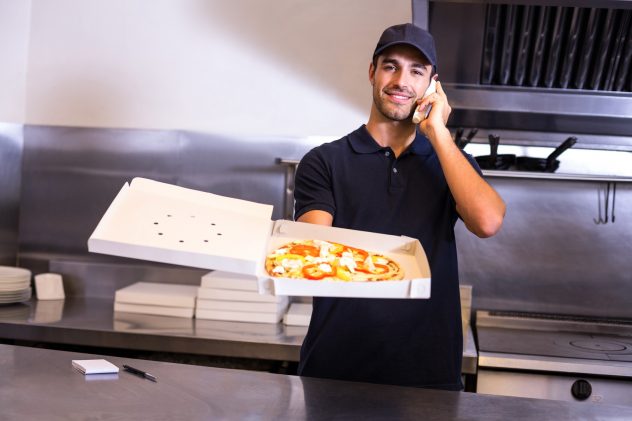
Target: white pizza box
x=153, y=324
x=227, y=280
x=236, y=295
x=238, y=316
x=160, y=222
x=260, y=307
x=186, y=312
x=152, y=293
x=238, y=331
x=299, y=314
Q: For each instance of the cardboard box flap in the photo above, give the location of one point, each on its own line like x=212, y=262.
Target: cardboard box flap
x=159, y=222
x=155, y=221
x=236, y=206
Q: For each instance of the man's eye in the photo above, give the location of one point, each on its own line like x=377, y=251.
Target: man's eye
x=389, y=67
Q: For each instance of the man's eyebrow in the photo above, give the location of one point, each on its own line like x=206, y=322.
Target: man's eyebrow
x=388, y=60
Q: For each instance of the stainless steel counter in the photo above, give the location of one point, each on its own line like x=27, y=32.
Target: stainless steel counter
x=90, y=321
x=40, y=384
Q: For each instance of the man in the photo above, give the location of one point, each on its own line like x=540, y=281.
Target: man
x=394, y=177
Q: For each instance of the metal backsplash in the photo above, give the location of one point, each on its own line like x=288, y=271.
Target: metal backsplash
x=550, y=255
x=71, y=175
x=10, y=165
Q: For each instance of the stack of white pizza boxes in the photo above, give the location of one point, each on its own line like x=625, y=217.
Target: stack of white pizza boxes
x=233, y=297
x=175, y=300
x=299, y=314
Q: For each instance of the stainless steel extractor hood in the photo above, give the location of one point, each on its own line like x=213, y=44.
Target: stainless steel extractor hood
x=555, y=66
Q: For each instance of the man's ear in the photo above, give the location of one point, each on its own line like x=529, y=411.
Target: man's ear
x=371, y=73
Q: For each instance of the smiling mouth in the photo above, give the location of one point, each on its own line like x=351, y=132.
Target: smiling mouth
x=398, y=97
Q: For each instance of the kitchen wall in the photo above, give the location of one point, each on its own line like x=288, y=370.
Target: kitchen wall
x=551, y=256
x=226, y=70
x=10, y=177
x=14, y=36
x=242, y=67
x=208, y=94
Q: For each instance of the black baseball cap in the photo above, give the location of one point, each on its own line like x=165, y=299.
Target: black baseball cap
x=409, y=34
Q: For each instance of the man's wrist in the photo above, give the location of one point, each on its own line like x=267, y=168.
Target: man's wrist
x=437, y=134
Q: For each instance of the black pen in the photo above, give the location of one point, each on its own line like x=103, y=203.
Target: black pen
x=140, y=373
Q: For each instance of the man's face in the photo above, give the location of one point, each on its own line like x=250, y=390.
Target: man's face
x=400, y=77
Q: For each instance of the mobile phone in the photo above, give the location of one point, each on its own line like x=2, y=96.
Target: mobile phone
x=417, y=116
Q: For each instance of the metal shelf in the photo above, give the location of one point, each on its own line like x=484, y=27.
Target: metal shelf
x=292, y=163
x=557, y=177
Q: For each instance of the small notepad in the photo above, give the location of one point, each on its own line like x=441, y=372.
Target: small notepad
x=95, y=366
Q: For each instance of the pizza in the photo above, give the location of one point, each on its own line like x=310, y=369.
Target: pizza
x=325, y=260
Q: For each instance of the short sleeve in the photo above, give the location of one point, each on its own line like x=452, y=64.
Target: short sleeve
x=474, y=165
x=313, y=185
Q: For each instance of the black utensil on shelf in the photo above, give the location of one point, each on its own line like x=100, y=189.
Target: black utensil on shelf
x=493, y=161
x=468, y=138
x=548, y=164
x=457, y=136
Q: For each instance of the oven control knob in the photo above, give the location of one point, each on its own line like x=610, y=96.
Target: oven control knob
x=581, y=390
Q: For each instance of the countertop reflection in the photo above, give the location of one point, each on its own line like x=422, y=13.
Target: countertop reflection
x=90, y=321
x=40, y=384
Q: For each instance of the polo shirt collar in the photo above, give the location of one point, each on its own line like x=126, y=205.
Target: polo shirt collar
x=421, y=145
x=362, y=142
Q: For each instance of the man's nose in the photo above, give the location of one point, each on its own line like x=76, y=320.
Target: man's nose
x=400, y=79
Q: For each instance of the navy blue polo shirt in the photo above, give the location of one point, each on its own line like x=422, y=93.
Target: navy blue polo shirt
x=391, y=341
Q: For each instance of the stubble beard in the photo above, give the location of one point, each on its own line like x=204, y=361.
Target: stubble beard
x=393, y=112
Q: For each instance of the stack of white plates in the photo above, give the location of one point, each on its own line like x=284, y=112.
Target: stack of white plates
x=15, y=285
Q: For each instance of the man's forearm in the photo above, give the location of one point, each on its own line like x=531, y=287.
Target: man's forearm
x=478, y=204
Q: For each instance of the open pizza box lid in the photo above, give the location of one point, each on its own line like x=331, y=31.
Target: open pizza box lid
x=160, y=222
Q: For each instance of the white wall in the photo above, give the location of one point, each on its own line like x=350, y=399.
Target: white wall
x=252, y=67
x=14, y=34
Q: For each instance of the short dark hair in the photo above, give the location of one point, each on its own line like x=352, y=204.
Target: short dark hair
x=375, y=58
x=408, y=34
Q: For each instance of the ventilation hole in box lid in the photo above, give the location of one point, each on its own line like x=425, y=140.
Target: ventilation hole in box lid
x=219, y=233
x=155, y=223
x=159, y=233
x=182, y=241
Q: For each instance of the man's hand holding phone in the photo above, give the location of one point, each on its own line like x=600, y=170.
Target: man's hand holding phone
x=433, y=108
x=421, y=113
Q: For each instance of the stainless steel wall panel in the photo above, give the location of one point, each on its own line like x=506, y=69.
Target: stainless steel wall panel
x=244, y=168
x=550, y=256
x=102, y=280
x=10, y=163
x=71, y=175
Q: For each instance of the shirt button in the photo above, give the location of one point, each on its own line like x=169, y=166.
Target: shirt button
x=395, y=170
x=387, y=153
